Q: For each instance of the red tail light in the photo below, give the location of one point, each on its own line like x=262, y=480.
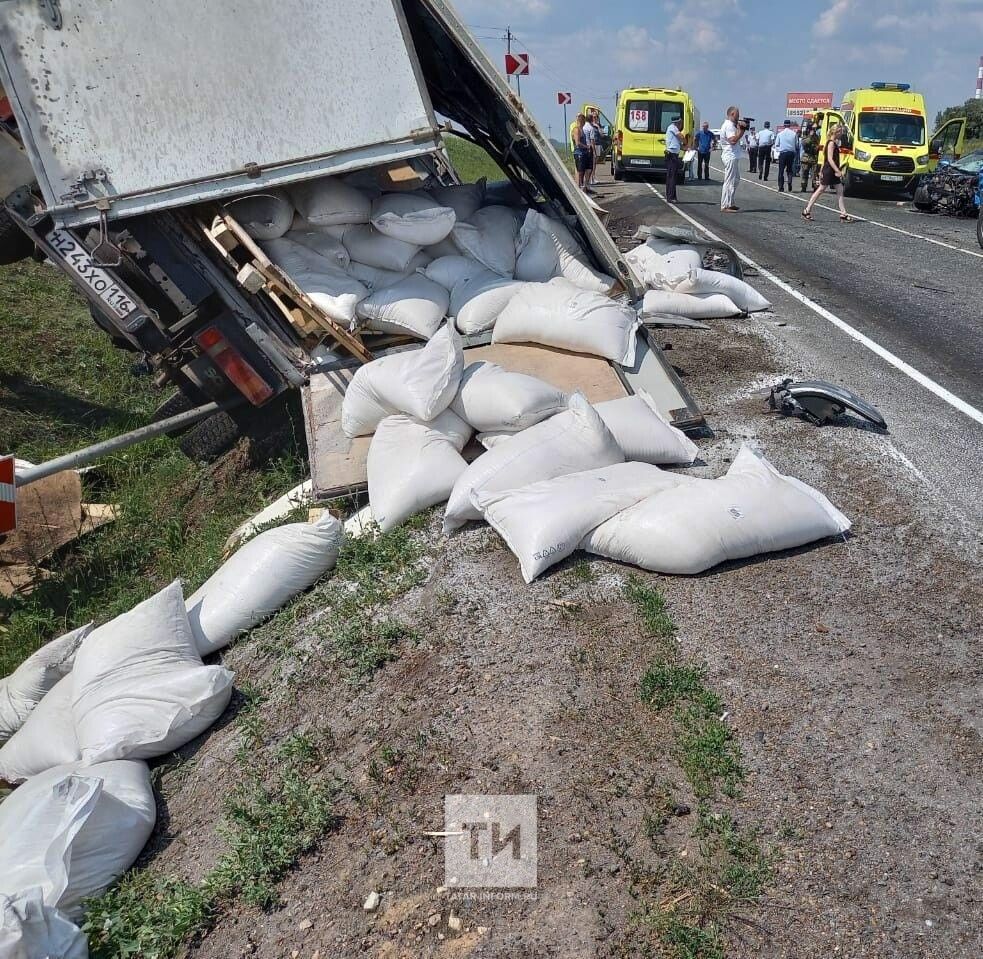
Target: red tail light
x=232, y=364
x=621, y=137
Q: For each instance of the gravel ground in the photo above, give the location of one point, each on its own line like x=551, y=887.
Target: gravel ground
x=850, y=671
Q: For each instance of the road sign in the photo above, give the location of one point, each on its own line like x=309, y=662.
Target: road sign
x=517, y=64
x=8, y=495
x=563, y=99
x=802, y=104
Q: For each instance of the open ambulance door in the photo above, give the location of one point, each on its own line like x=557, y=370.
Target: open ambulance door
x=946, y=143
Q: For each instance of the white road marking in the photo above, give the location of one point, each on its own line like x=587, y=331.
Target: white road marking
x=940, y=391
x=861, y=219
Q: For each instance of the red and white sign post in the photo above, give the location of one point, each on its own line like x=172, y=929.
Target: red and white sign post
x=8, y=495
x=564, y=99
x=517, y=64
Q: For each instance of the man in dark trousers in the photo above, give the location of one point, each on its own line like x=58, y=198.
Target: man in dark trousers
x=674, y=145
x=787, y=145
x=766, y=140
x=704, y=144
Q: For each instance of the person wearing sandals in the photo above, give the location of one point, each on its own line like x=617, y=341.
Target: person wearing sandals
x=831, y=175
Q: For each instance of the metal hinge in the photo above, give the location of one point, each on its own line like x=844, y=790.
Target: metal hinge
x=51, y=11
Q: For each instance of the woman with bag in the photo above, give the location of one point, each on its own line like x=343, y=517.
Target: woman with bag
x=831, y=175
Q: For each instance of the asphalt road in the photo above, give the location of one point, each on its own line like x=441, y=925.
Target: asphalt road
x=911, y=283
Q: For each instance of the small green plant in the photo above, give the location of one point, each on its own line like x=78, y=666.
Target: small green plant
x=277, y=812
x=583, y=572
x=652, y=608
x=706, y=751
x=665, y=684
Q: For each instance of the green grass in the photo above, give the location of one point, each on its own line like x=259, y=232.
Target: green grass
x=471, y=161
x=689, y=905
x=62, y=386
x=281, y=807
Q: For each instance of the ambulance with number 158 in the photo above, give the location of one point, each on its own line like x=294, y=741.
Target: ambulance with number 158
x=887, y=145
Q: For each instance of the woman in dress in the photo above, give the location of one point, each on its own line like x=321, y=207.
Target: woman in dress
x=831, y=175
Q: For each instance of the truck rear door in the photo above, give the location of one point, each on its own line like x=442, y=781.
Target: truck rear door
x=143, y=105
x=640, y=124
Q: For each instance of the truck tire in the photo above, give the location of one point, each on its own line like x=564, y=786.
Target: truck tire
x=209, y=439
x=847, y=183
x=617, y=172
x=15, y=244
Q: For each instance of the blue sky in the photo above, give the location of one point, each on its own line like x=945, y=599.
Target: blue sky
x=747, y=52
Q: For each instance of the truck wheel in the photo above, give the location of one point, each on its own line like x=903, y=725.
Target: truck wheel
x=847, y=183
x=15, y=244
x=617, y=172
x=209, y=439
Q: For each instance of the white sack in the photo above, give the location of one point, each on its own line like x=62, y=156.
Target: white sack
x=643, y=433
x=570, y=442
x=27, y=685
x=376, y=279
x=415, y=305
x=330, y=201
x=492, y=438
x=264, y=216
x=412, y=217
x=322, y=243
x=367, y=245
x=689, y=305
x=561, y=315
x=463, y=198
x=413, y=465
x=547, y=248
x=491, y=398
x=74, y=830
x=661, y=245
x=477, y=302
x=700, y=523
x=260, y=578
x=139, y=687
x=744, y=296
x=29, y=929
x=421, y=382
x=544, y=523
x=659, y=272
x=47, y=738
x=445, y=247
x=680, y=259
x=448, y=271
x=331, y=288
x=489, y=237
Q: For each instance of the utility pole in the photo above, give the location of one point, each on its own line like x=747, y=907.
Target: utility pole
x=508, y=50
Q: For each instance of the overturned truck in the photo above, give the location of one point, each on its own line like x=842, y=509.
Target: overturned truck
x=152, y=166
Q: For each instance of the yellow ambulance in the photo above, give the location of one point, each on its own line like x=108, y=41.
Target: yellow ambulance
x=640, y=123
x=887, y=144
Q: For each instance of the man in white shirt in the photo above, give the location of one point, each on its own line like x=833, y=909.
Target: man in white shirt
x=674, y=143
x=766, y=139
x=787, y=144
x=731, y=152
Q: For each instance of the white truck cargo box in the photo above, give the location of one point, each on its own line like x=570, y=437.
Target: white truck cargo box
x=154, y=104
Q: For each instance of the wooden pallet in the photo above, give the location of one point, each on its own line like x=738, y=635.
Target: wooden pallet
x=256, y=273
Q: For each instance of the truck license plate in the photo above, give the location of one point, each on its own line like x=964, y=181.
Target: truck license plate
x=639, y=162
x=891, y=177
x=96, y=279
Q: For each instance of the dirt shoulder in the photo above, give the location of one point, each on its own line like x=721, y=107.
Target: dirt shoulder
x=849, y=674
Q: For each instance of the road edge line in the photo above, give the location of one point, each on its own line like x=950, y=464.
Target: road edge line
x=885, y=354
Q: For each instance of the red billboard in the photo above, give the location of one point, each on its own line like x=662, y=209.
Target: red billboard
x=803, y=104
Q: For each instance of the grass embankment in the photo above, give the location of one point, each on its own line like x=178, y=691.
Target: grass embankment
x=472, y=163
x=689, y=905
x=64, y=385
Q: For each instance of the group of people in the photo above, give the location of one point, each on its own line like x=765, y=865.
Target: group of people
x=797, y=153
x=735, y=139
x=585, y=140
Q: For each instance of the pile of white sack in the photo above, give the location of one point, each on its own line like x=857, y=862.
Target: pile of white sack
x=403, y=262
x=80, y=718
x=559, y=474
x=678, y=285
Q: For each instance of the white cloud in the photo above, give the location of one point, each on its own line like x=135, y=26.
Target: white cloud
x=831, y=20
x=635, y=47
